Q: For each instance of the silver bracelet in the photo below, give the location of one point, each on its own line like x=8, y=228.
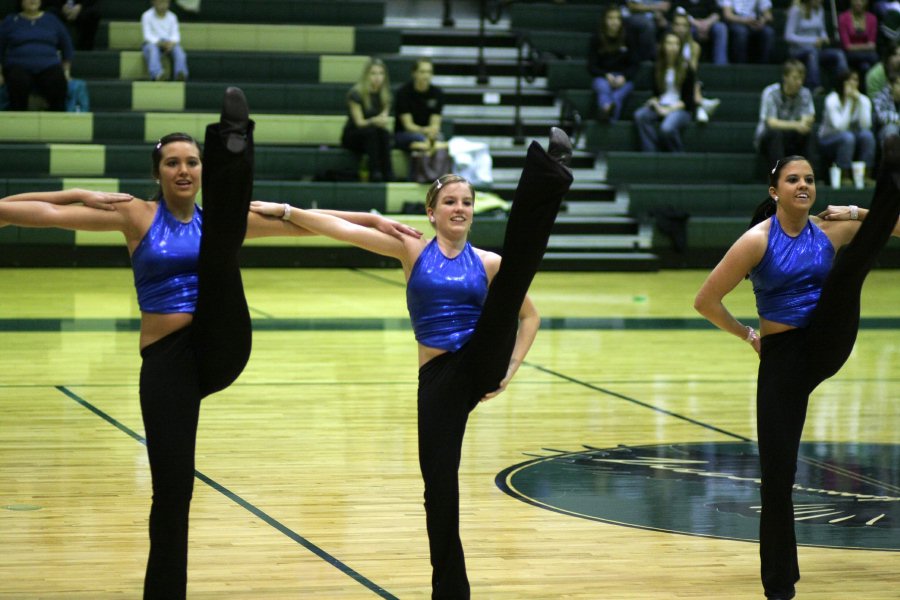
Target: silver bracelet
x=854, y=212
x=752, y=336
x=287, y=212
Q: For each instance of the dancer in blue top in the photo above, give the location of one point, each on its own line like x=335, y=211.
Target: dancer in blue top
x=472, y=319
x=195, y=325
x=808, y=305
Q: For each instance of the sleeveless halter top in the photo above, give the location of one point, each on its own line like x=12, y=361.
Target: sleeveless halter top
x=788, y=281
x=445, y=296
x=165, y=263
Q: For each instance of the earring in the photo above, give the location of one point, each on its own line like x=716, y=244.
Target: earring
x=776, y=198
x=431, y=219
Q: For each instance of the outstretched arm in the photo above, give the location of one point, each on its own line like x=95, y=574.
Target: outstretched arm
x=737, y=262
x=529, y=323
x=100, y=200
x=268, y=220
x=851, y=213
x=30, y=213
x=365, y=231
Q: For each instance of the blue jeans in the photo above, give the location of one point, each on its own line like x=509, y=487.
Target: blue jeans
x=740, y=36
x=844, y=146
x=606, y=95
x=718, y=35
x=668, y=137
x=831, y=58
x=153, y=58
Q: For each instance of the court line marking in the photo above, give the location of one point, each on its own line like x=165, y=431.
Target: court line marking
x=252, y=509
x=800, y=458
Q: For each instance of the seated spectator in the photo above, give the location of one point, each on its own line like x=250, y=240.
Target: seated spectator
x=879, y=75
x=673, y=101
x=419, y=104
x=644, y=20
x=808, y=42
x=845, y=134
x=858, y=29
x=612, y=63
x=786, y=116
x=691, y=50
x=887, y=110
x=367, y=130
x=162, y=36
x=748, y=25
x=36, y=53
x=81, y=16
x=707, y=26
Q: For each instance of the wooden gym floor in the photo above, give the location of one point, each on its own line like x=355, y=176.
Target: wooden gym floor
x=308, y=483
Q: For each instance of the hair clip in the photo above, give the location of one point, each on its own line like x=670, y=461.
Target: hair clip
x=159, y=144
x=775, y=168
x=437, y=184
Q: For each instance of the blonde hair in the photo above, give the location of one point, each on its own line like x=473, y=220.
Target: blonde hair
x=362, y=86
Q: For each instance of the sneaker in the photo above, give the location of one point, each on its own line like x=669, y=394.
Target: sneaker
x=710, y=105
x=702, y=115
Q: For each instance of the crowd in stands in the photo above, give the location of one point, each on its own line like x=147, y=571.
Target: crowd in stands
x=849, y=56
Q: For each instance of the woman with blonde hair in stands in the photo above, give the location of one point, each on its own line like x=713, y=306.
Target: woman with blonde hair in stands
x=661, y=120
x=367, y=130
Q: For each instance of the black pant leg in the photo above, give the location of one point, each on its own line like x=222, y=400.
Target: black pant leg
x=221, y=326
x=443, y=411
x=170, y=407
x=52, y=84
x=18, y=86
x=542, y=186
x=782, y=399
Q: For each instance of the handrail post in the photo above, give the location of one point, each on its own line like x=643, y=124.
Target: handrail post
x=482, y=76
x=518, y=128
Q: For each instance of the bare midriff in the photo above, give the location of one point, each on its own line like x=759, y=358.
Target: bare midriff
x=155, y=326
x=426, y=353
x=767, y=327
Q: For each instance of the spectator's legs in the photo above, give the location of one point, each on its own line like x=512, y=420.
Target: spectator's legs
x=153, y=61
x=846, y=144
x=865, y=149
x=18, y=86
x=772, y=146
x=765, y=44
x=51, y=83
x=604, y=95
x=719, y=34
x=670, y=130
x=645, y=119
x=179, y=63
x=620, y=95
x=828, y=146
x=738, y=39
x=88, y=22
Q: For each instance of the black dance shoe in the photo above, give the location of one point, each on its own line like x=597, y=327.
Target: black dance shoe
x=235, y=120
x=560, y=148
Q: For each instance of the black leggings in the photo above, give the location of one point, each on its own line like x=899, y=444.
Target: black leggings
x=451, y=384
x=189, y=364
x=792, y=365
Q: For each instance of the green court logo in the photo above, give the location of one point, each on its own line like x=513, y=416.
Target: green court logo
x=846, y=495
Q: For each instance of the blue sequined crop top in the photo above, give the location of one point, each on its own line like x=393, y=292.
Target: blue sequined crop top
x=165, y=263
x=788, y=280
x=445, y=296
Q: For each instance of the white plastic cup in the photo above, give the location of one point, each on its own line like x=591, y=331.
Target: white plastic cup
x=859, y=174
x=834, y=172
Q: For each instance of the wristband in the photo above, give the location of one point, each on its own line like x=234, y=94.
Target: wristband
x=287, y=212
x=854, y=212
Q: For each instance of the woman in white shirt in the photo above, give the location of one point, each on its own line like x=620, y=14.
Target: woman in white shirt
x=673, y=102
x=162, y=36
x=846, y=131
